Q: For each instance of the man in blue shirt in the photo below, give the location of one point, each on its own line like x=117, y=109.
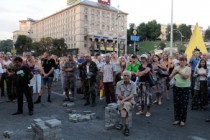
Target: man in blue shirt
x=194, y=61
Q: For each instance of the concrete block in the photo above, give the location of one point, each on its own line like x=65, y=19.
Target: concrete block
x=65, y=104
x=37, y=120
x=7, y=134
x=93, y=116
x=53, y=123
x=87, y=112
x=70, y=104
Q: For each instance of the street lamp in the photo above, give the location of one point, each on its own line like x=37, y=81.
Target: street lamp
x=171, y=38
x=181, y=35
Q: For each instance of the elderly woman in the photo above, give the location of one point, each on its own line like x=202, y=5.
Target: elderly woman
x=145, y=97
x=181, y=91
x=125, y=90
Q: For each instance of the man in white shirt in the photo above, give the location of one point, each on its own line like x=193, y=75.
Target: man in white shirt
x=108, y=77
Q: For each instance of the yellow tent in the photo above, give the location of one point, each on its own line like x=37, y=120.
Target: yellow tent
x=196, y=41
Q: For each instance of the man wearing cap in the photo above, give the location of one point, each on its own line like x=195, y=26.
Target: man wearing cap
x=88, y=73
x=133, y=67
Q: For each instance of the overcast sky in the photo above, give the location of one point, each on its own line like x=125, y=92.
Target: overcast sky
x=185, y=11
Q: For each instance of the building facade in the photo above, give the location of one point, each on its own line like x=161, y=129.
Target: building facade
x=25, y=27
x=87, y=27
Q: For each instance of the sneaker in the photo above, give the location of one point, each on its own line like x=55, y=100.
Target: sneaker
x=140, y=113
x=182, y=123
x=155, y=102
x=148, y=114
x=64, y=93
x=159, y=103
x=176, y=122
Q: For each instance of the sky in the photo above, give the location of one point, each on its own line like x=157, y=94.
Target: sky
x=189, y=12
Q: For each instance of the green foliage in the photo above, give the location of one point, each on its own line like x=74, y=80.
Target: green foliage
x=207, y=35
x=161, y=45
x=23, y=43
x=59, y=46
x=6, y=45
x=153, y=30
x=183, y=28
x=142, y=31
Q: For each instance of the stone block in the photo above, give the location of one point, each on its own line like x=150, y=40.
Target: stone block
x=53, y=123
x=7, y=134
x=93, y=116
x=70, y=104
x=37, y=120
x=65, y=104
x=87, y=112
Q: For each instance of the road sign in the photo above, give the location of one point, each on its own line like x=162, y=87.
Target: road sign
x=134, y=32
x=135, y=38
x=13, y=51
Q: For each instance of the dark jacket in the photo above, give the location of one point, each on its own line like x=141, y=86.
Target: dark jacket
x=92, y=68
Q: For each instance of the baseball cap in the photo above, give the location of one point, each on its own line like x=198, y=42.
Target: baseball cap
x=143, y=56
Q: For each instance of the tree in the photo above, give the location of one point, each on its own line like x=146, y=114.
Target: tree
x=59, y=46
x=47, y=43
x=186, y=32
x=207, y=35
x=37, y=48
x=161, y=45
x=142, y=31
x=153, y=30
x=6, y=45
x=23, y=43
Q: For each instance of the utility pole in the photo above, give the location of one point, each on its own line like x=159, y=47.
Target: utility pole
x=171, y=37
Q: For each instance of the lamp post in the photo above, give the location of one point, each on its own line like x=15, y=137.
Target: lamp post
x=171, y=38
x=181, y=35
x=118, y=16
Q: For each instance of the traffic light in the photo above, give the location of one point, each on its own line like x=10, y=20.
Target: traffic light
x=137, y=49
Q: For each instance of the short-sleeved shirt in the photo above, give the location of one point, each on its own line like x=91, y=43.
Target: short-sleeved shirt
x=72, y=65
x=23, y=76
x=133, y=68
x=145, y=78
x=108, y=70
x=47, y=65
x=125, y=90
x=180, y=82
x=194, y=63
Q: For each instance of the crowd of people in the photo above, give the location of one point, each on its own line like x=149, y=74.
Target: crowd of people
x=129, y=80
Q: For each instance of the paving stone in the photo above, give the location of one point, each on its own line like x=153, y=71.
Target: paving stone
x=53, y=123
x=70, y=104
x=93, y=116
x=37, y=120
x=87, y=112
x=65, y=104
x=7, y=134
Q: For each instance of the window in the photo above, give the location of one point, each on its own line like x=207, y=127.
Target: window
x=86, y=10
x=103, y=27
x=107, y=27
x=92, y=11
x=86, y=17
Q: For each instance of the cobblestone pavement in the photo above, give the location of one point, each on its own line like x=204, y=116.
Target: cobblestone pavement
x=157, y=127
